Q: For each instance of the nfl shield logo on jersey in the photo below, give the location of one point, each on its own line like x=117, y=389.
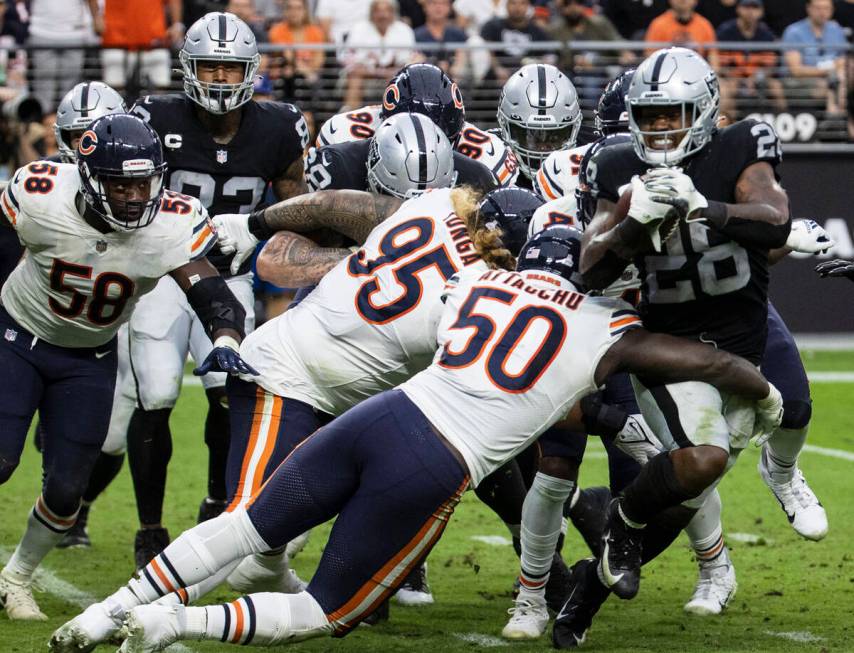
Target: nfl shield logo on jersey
x=221, y=156
x=101, y=246
x=10, y=335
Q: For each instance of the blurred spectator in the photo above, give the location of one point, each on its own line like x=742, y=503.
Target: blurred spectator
x=439, y=29
x=747, y=76
x=60, y=23
x=15, y=20
x=682, y=25
x=269, y=11
x=631, y=17
x=717, y=12
x=336, y=17
x=779, y=14
x=297, y=28
x=472, y=15
x=13, y=62
x=818, y=66
x=245, y=11
x=136, y=43
x=388, y=45
x=516, y=32
x=412, y=12
x=843, y=13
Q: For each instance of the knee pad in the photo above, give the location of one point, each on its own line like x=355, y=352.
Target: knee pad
x=796, y=414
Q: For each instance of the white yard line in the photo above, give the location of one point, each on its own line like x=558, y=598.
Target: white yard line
x=487, y=641
x=493, y=540
x=830, y=453
x=831, y=377
x=800, y=636
x=64, y=590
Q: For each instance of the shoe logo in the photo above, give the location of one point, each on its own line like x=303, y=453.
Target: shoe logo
x=100, y=354
x=610, y=578
x=563, y=613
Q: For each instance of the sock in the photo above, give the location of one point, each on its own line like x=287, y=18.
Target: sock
x=191, y=594
x=655, y=489
x=199, y=553
x=149, y=451
x=783, y=448
x=44, y=530
x=663, y=529
x=504, y=492
x=106, y=468
x=217, y=438
x=706, y=533
x=542, y=517
x=263, y=619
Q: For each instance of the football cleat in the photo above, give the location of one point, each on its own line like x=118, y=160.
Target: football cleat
x=149, y=543
x=415, y=591
x=529, y=618
x=798, y=501
x=715, y=588
x=589, y=516
x=620, y=563
x=77, y=536
x=556, y=585
x=252, y=576
x=16, y=596
x=149, y=628
x=586, y=596
x=95, y=625
x=380, y=614
x=210, y=508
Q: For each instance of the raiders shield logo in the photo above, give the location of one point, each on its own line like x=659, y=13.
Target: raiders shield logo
x=101, y=246
x=221, y=156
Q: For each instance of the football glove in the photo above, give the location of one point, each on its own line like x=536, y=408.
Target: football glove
x=672, y=186
x=808, y=237
x=234, y=237
x=225, y=357
x=769, y=413
x=637, y=440
x=651, y=210
x=836, y=268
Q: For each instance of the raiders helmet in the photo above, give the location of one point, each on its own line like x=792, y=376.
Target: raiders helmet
x=80, y=106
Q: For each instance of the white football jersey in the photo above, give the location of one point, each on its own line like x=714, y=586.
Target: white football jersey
x=516, y=352
x=473, y=142
x=370, y=322
x=558, y=176
x=75, y=286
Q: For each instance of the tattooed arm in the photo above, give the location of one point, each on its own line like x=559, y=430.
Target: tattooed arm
x=293, y=261
x=292, y=182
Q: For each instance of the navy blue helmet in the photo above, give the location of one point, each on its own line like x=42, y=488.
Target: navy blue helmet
x=611, y=115
x=556, y=249
x=585, y=192
x=115, y=156
x=510, y=209
x=424, y=88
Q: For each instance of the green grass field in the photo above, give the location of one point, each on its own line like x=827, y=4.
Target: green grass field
x=793, y=595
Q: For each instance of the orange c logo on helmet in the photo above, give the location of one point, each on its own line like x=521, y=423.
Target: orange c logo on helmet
x=391, y=97
x=87, y=142
x=457, y=96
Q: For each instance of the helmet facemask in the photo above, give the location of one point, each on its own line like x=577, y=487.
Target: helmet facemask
x=106, y=201
x=668, y=147
x=219, y=98
x=533, y=144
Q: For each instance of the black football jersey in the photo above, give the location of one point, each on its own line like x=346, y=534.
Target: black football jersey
x=345, y=166
x=230, y=178
x=704, y=284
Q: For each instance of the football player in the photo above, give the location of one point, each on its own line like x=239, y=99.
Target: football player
x=516, y=350
x=98, y=235
x=223, y=148
x=701, y=240
x=424, y=88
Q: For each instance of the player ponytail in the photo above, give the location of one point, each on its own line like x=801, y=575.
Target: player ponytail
x=487, y=242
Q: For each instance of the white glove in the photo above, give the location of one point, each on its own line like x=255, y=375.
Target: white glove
x=637, y=440
x=769, y=413
x=234, y=237
x=809, y=237
x=672, y=182
x=652, y=210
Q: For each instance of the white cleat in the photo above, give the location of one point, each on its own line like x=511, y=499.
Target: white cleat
x=715, y=589
x=16, y=596
x=151, y=628
x=415, y=591
x=252, y=576
x=799, y=502
x=82, y=634
x=529, y=618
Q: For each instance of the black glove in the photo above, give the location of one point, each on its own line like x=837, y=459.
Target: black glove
x=836, y=268
x=224, y=359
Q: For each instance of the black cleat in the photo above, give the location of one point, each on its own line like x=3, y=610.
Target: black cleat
x=378, y=615
x=586, y=596
x=589, y=516
x=620, y=563
x=415, y=591
x=149, y=543
x=210, y=508
x=557, y=585
x=77, y=535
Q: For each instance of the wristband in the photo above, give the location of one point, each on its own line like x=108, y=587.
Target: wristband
x=227, y=341
x=716, y=213
x=258, y=226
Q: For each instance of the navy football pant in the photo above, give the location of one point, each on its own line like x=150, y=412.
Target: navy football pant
x=781, y=364
x=72, y=389
x=393, y=484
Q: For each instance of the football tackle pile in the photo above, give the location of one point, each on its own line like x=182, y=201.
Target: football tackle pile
x=473, y=307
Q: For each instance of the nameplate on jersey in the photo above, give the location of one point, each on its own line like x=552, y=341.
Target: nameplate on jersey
x=221, y=156
x=173, y=141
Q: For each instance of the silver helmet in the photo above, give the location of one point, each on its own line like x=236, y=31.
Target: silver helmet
x=80, y=106
x=409, y=155
x=675, y=79
x=538, y=114
x=219, y=36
